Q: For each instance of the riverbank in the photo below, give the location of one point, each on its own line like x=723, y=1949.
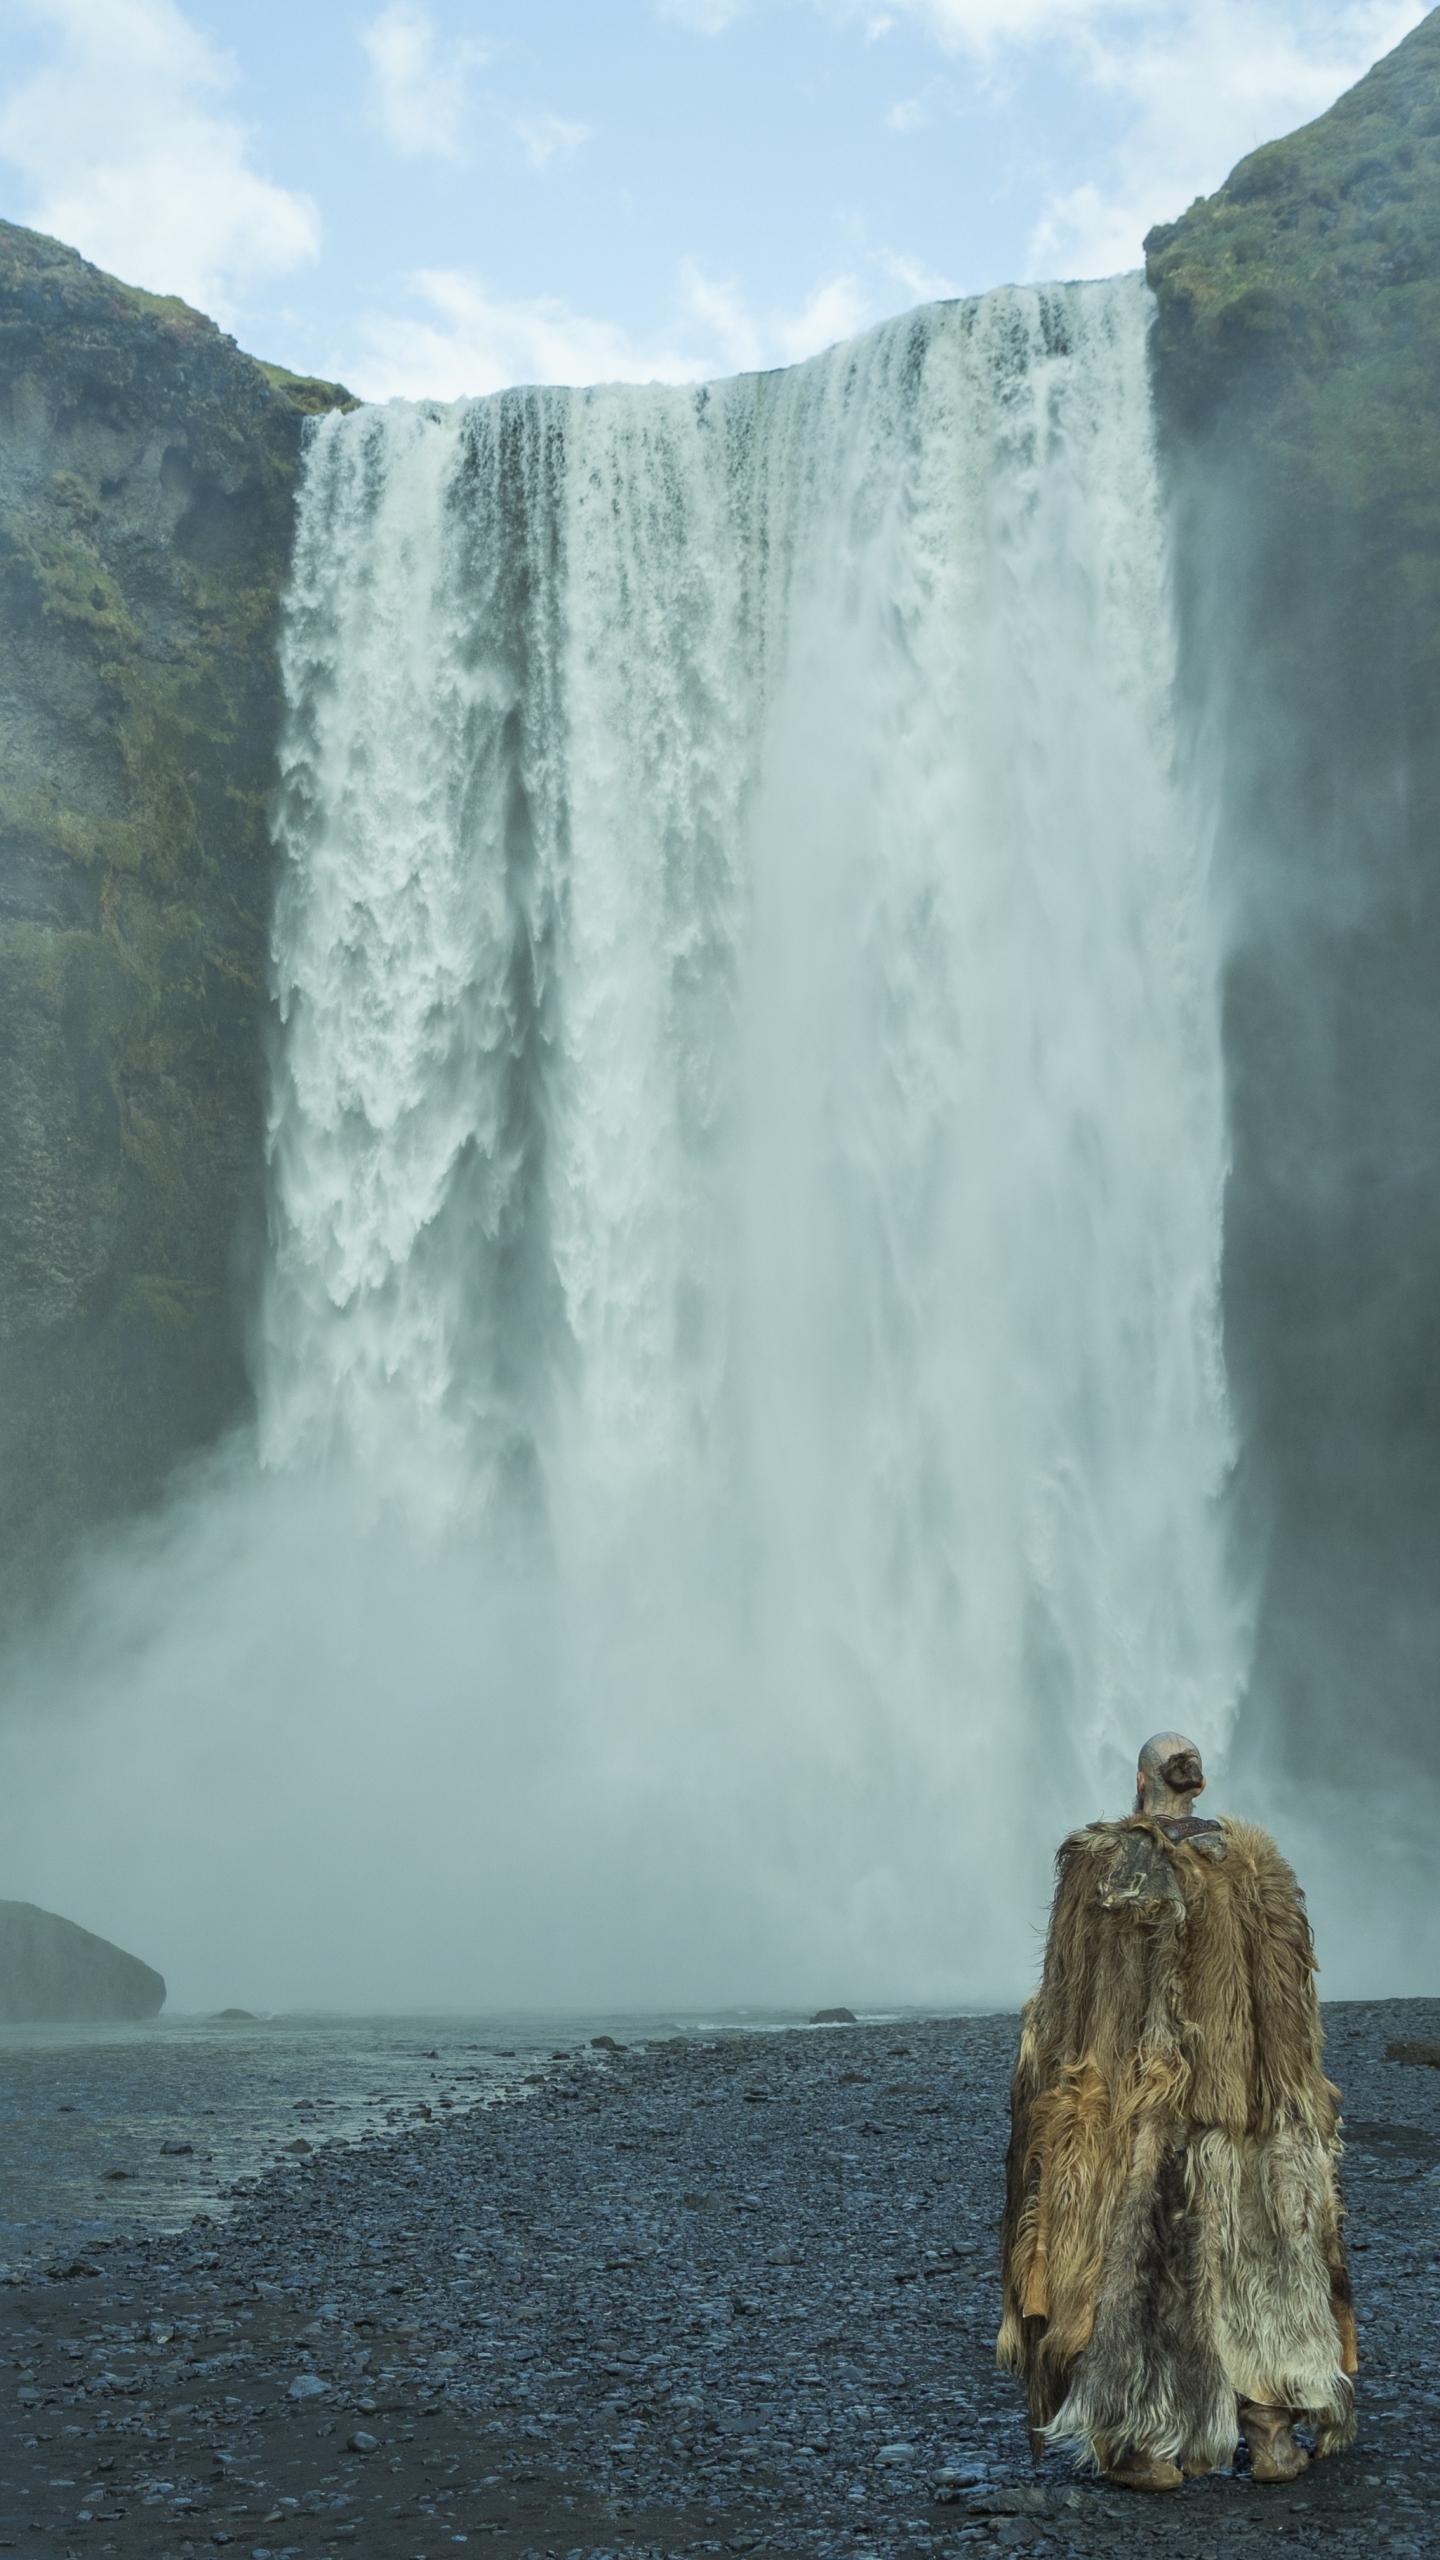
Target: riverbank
x=724, y=2294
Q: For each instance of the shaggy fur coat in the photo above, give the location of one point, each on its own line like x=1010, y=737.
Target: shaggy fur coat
x=1172, y=2234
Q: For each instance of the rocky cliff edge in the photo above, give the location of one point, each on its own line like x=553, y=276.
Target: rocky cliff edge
x=147, y=476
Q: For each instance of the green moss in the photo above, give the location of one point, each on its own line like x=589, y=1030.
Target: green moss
x=78, y=836
x=76, y=497
x=71, y=583
x=1306, y=294
x=159, y=1302
x=306, y=391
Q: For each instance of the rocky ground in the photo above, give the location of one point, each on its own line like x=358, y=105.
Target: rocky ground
x=735, y=2294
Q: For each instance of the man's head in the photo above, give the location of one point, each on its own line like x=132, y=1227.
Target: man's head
x=1169, y=1777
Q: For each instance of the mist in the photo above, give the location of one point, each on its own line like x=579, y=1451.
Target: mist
x=319, y=1758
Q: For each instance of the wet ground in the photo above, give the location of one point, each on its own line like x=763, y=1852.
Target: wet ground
x=112, y=2129
x=713, y=2295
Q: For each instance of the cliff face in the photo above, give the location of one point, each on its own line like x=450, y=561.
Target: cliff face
x=147, y=471
x=1297, y=356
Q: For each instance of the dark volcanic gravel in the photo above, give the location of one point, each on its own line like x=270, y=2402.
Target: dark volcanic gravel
x=725, y=2295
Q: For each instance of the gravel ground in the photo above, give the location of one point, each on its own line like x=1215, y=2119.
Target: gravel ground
x=710, y=2295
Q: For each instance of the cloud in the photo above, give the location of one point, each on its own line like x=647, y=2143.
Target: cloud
x=834, y=311
x=1192, y=86
x=421, y=101
x=1189, y=86
x=911, y=115
x=544, y=138
x=723, y=312
x=705, y=17
x=922, y=284
x=979, y=26
x=469, y=341
x=418, y=88
x=1199, y=87
x=744, y=341
x=131, y=157
x=466, y=340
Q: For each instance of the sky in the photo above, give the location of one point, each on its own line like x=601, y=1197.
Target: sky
x=439, y=197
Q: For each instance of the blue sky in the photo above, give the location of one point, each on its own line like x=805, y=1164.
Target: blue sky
x=442, y=196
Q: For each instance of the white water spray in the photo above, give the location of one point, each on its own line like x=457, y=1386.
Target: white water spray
x=748, y=1156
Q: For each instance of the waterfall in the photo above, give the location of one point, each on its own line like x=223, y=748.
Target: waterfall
x=747, y=1134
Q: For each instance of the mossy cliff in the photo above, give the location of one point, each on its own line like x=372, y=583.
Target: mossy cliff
x=1297, y=366
x=147, y=477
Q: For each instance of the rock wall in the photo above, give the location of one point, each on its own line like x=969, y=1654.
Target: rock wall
x=1297, y=357
x=147, y=471
x=52, y=1971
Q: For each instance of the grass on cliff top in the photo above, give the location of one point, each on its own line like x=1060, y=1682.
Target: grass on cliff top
x=1314, y=274
x=307, y=391
x=30, y=259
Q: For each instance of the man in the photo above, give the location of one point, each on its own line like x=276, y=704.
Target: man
x=1173, y=2259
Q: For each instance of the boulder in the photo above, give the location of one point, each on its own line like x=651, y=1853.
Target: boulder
x=52, y=1971
x=834, y=2018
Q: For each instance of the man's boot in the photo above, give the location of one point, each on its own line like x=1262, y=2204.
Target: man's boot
x=1135, y=2470
x=1274, y=2453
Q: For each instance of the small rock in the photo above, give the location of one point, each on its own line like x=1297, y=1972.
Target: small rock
x=834, y=2018
x=113, y=2174
x=308, y=2386
x=605, y=2044
x=299, y=2144
x=896, y=2453
x=362, y=2441
x=177, y=2150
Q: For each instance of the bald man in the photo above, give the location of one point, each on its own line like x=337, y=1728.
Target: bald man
x=1174, y=2269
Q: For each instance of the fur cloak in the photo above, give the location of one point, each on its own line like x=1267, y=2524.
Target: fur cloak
x=1172, y=2233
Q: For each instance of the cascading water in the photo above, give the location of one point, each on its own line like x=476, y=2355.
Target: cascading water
x=747, y=1134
